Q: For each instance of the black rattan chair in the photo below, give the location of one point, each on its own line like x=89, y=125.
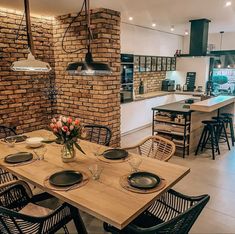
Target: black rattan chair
x=15, y=219
x=5, y=176
x=98, y=134
x=6, y=131
x=173, y=213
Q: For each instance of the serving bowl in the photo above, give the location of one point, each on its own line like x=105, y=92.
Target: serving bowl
x=34, y=142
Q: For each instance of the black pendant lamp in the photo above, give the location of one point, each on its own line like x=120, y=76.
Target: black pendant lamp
x=30, y=64
x=89, y=66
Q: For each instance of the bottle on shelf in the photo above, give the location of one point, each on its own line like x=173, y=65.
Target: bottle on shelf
x=141, y=87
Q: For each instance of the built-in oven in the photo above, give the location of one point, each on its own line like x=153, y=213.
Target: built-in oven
x=127, y=73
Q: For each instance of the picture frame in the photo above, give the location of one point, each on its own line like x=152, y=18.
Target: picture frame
x=159, y=63
x=142, y=64
x=148, y=64
x=154, y=64
x=136, y=63
x=164, y=64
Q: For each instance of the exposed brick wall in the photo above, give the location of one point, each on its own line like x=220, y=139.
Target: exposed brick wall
x=23, y=101
x=94, y=99
x=152, y=81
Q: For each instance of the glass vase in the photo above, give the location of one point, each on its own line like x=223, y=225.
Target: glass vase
x=68, y=152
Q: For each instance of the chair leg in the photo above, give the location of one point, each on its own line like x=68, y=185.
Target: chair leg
x=205, y=139
x=226, y=136
x=212, y=143
x=231, y=131
x=200, y=141
x=77, y=219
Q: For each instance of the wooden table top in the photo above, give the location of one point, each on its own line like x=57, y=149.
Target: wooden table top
x=105, y=199
x=212, y=104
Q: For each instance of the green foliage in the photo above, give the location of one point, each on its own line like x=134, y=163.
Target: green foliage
x=220, y=79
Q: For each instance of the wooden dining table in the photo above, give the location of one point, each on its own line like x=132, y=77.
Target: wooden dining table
x=105, y=198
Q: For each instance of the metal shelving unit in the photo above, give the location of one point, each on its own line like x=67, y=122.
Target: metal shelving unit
x=181, y=136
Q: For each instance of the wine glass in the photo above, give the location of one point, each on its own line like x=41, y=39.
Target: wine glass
x=135, y=162
x=95, y=170
x=10, y=141
x=40, y=152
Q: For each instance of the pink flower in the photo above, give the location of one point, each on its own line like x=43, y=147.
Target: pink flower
x=64, y=119
x=76, y=121
x=65, y=128
x=53, y=120
x=69, y=120
x=59, y=124
x=55, y=130
x=71, y=127
x=52, y=125
x=68, y=133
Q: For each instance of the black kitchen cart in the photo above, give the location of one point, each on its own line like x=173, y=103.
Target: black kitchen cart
x=173, y=121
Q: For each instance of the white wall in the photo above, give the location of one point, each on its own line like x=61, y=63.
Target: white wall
x=200, y=65
x=142, y=41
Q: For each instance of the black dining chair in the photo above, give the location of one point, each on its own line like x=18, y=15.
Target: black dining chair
x=5, y=176
x=6, y=131
x=172, y=213
x=20, y=213
x=98, y=134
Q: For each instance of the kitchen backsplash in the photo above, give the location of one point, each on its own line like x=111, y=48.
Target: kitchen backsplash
x=152, y=81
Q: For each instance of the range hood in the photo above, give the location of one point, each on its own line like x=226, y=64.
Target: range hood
x=198, y=38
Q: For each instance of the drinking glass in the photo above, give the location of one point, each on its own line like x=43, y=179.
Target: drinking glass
x=135, y=162
x=10, y=141
x=40, y=152
x=95, y=170
x=99, y=151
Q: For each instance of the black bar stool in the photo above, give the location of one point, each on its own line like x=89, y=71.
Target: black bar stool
x=221, y=133
x=228, y=119
x=209, y=136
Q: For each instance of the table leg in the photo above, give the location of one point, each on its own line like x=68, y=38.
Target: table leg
x=77, y=219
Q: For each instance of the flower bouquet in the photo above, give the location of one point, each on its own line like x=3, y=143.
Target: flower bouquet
x=67, y=130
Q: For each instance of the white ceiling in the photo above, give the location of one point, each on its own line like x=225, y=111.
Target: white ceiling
x=162, y=12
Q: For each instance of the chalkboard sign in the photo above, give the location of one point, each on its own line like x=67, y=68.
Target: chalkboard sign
x=190, y=80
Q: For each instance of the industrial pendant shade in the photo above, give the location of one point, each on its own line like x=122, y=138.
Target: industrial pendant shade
x=30, y=64
x=89, y=66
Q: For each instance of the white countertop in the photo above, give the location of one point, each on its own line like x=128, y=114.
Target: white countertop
x=163, y=93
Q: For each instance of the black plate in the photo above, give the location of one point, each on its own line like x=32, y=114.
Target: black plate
x=143, y=180
x=65, y=178
x=18, y=138
x=18, y=157
x=115, y=154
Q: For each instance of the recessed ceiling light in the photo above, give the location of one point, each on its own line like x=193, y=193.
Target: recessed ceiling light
x=228, y=3
x=130, y=18
x=153, y=25
x=172, y=28
x=186, y=32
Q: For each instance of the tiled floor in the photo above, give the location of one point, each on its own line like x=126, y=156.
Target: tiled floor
x=216, y=178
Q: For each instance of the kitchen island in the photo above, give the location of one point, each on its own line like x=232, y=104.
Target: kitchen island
x=182, y=121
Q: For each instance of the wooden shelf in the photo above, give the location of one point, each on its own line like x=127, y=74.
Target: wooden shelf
x=171, y=122
x=172, y=133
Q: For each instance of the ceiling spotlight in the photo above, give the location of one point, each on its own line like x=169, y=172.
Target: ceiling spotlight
x=130, y=18
x=228, y=3
x=172, y=28
x=153, y=25
x=186, y=32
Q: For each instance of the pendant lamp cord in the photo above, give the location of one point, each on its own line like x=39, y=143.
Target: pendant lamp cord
x=86, y=7
x=28, y=26
x=221, y=39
